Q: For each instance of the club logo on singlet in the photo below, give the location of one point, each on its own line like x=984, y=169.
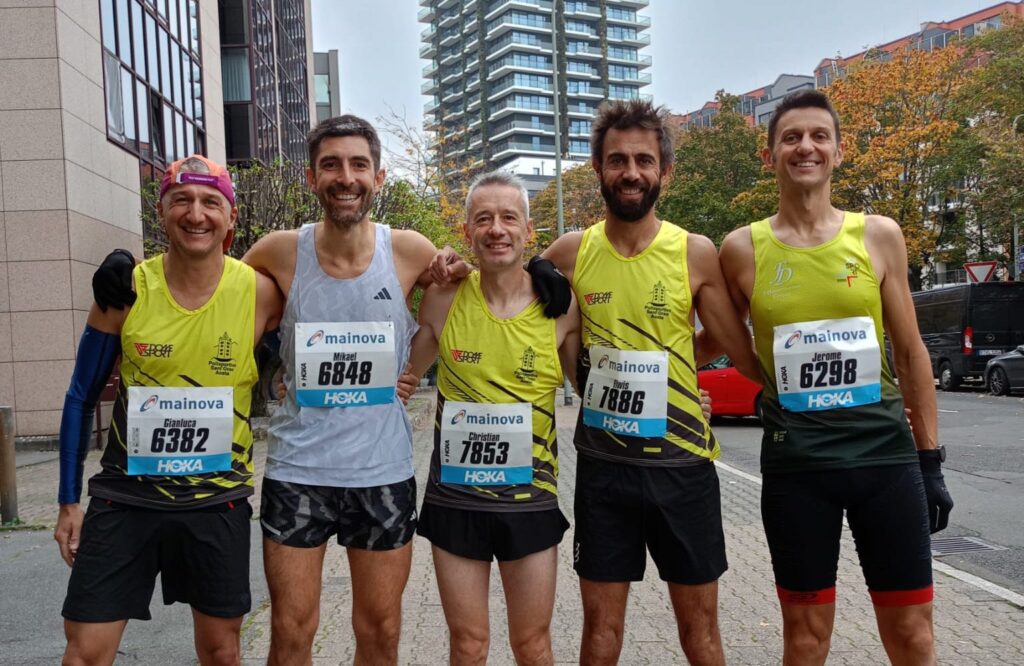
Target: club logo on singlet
x=657, y=307
x=154, y=350
x=223, y=362
x=850, y=272
x=464, y=356
x=598, y=298
x=526, y=372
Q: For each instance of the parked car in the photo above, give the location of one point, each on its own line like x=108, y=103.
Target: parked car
x=732, y=394
x=964, y=326
x=1005, y=373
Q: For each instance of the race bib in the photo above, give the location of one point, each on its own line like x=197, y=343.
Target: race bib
x=827, y=364
x=345, y=364
x=486, y=445
x=179, y=431
x=627, y=392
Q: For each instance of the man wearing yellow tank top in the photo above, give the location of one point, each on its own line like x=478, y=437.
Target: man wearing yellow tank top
x=822, y=287
x=171, y=496
x=492, y=489
x=644, y=475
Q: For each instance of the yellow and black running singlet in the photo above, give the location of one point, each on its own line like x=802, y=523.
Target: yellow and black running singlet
x=495, y=444
x=636, y=371
x=829, y=400
x=182, y=358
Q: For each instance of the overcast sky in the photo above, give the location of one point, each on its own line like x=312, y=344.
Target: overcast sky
x=698, y=46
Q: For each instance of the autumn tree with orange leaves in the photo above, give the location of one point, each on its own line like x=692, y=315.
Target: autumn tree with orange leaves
x=581, y=201
x=899, y=119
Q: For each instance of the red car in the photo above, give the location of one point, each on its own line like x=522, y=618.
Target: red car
x=732, y=394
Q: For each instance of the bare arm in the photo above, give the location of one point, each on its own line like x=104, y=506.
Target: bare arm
x=889, y=256
x=562, y=253
x=413, y=256
x=568, y=331
x=269, y=306
x=737, y=261
x=715, y=306
x=437, y=301
x=275, y=256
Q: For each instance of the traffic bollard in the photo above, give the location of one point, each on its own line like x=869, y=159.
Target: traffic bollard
x=8, y=479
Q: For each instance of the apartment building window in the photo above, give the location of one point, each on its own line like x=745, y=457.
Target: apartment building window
x=621, y=33
x=622, y=92
x=579, y=126
x=579, y=146
x=580, y=26
x=623, y=72
x=153, y=78
x=623, y=53
x=578, y=87
x=580, y=68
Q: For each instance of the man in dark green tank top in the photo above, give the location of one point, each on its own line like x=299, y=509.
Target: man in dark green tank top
x=822, y=287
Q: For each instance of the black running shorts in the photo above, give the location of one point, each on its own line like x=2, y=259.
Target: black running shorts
x=202, y=557
x=888, y=516
x=622, y=511
x=375, y=518
x=489, y=535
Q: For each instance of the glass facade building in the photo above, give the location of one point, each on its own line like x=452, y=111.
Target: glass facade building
x=491, y=83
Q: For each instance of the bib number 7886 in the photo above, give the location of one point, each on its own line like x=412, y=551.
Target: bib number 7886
x=623, y=401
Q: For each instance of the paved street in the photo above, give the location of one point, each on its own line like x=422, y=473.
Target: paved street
x=973, y=625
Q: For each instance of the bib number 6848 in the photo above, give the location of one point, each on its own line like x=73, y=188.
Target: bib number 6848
x=339, y=373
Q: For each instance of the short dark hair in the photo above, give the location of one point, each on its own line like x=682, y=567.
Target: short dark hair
x=627, y=114
x=347, y=125
x=802, y=99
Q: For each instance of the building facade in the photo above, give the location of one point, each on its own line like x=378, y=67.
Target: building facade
x=932, y=35
x=327, y=83
x=756, y=106
x=491, y=82
x=267, y=65
x=96, y=98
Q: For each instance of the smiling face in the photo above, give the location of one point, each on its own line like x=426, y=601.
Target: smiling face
x=630, y=173
x=496, y=226
x=196, y=218
x=806, y=149
x=344, y=179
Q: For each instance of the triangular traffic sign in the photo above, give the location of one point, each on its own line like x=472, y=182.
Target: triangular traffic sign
x=980, y=271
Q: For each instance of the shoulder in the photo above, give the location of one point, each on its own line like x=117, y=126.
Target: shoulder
x=411, y=244
x=276, y=248
x=700, y=248
x=437, y=301
x=882, y=228
x=738, y=241
x=562, y=252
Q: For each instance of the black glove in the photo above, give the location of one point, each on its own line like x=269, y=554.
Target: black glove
x=940, y=502
x=551, y=286
x=112, y=281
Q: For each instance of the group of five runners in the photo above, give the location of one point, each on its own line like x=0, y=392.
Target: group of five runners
x=820, y=287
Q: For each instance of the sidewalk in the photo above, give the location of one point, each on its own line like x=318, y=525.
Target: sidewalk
x=972, y=626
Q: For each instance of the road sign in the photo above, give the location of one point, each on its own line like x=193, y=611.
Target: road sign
x=980, y=271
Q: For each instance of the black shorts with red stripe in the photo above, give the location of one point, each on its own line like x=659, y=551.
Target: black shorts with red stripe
x=888, y=516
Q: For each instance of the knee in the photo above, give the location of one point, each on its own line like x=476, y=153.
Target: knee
x=381, y=631
x=807, y=645
x=225, y=654
x=915, y=640
x=469, y=646
x=702, y=643
x=293, y=629
x=603, y=638
x=533, y=649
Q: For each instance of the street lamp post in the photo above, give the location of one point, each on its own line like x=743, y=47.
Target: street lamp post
x=567, y=388
x=1016, y=223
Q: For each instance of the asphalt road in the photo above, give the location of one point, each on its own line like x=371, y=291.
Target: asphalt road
x=984, y=470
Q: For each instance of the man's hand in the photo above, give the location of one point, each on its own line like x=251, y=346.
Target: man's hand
x=551, y=286
x=448, y=267
x=705, y=405
x=407, y=383
x=68, y=530
x=940, y=502
x=112, y=281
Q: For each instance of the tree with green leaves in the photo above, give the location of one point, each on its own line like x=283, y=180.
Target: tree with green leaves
x=713, y=166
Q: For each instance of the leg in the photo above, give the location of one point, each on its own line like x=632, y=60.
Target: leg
x=907, y=634
x=683, y=529
x=529, y=584
x=464, y=585
x=696, y=610
x=604, y=621
x=293, y=576
x=92, y=643
x=890, y=526
x=803, y=521
x=218, y=639
x=378, y=580
x=806, y=633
